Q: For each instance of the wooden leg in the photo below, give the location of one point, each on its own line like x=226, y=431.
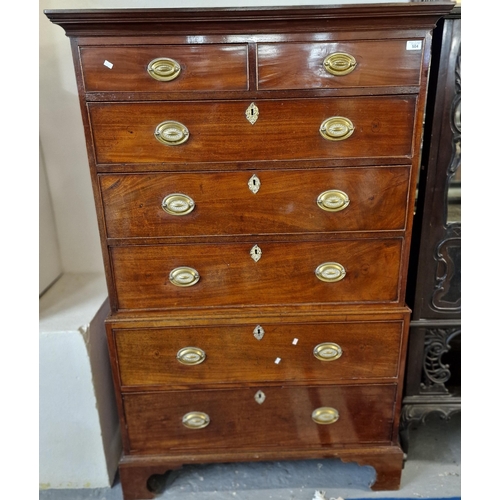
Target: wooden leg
x=136, y=471
x=388, y=467
x=134, y=480
x=404, y=437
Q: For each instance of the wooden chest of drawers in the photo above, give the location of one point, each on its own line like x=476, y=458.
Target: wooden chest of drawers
x=254, y=174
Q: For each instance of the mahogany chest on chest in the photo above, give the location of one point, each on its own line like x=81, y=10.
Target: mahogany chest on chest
x=254, y=174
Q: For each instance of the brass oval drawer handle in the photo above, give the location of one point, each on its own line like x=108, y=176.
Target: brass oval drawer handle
x=330, y=272
x=325, y=415
x=328, y=351
x=164, y=69
x=184, y=276
x=191, y=356
x=333, y=200
x=336, y=128
x=195, y=420
x=171, y=133
x=339, y=63
x=178, y=204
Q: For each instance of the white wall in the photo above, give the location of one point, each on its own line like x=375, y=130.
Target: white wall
x=63, y=145
x=49, y=256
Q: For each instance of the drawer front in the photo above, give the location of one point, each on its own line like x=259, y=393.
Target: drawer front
x=237, y=420
x=226, y=203
x=356, y=64
x=284, y=274
x=258, y=353
x=218, y=131
x=178, y=67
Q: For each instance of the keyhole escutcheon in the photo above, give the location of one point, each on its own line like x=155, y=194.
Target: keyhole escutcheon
x=252, y=113
x=256, y=253
x=254, y=184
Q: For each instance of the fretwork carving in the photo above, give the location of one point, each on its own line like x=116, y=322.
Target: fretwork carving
x=435, y=372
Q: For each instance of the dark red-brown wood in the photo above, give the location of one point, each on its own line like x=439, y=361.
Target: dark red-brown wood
x=285, y=274
x=148, y=357
x=154, y=420
x=230, y=58
x=286, y=202
x=411, y=15
x=283, y=66
x=203, y=67
x=285, y=129
x=135, y=470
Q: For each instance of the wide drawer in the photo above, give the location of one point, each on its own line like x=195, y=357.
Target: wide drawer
x=218, y=131
x=367, y=63
x=286, y=273
x=165, y=68
x=266, y=201
x=281, y=416
x=261, y=353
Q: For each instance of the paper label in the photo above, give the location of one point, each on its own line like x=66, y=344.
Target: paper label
x=414, y=45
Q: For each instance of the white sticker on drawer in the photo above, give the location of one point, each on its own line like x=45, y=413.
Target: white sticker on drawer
x=108, y=64
x=295, y=341
x=277, y=361
x=414, y=45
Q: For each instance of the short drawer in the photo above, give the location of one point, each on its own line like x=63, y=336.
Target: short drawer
x=264, y=352
x=164, y=68
x=219, y=131
x=267, y=273
x=265, y=201
x=243, y=418
x=347, y=64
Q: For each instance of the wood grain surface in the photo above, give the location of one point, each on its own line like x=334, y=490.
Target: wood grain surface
x=203, y=67
x=154, y=420
x=286, y=202
x=285, y=274
x=300, y=65
x=148, y=357
x=220, y=131
x=230, y=58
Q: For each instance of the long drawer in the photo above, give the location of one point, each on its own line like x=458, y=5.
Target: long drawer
x=345, y=64
x=165, y=68
x=219, y=131
x=264, y=352
x=266, y=201
x=340, y=271
x=243, y=418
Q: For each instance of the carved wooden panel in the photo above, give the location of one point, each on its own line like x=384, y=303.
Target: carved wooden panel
x=433, y=376
x=436, y=246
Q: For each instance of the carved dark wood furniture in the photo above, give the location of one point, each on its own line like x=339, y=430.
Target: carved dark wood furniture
x=433, y=367
x=254, y=173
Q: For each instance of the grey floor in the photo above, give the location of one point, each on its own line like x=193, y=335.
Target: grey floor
x=432, y=470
